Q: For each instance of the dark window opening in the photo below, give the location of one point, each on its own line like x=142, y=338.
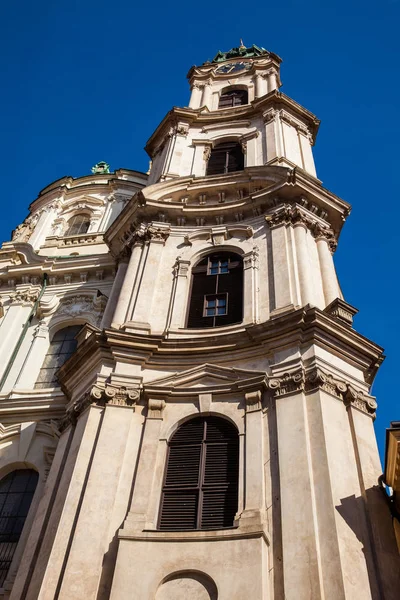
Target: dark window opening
x=78, y=225
x=225, y=158
x=61, y=347
x=217, y=291
x=16, y=493
x=233, y=98
x=201, y=479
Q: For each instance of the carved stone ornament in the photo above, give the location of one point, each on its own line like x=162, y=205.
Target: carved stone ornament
x=314, y=379
x=250, y=259
x=292, y=215
x=140, y=234
x=342, y=311
x=253, y=401
x=101, y=396
x=288, y=383
x=25, y=297
x=156, y=408
x=75, y=306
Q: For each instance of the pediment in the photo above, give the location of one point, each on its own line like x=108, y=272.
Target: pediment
x=206, y=377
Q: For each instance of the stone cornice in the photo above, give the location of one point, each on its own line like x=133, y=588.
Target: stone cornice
x=295, y=215
x=308, y=381
x=68, y=187
x=300, y=328
x=204, y=117
x=191, y=201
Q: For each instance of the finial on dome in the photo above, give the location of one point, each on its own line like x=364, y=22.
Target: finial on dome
x=242, y=46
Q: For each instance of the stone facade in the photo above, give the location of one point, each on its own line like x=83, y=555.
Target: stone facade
x=293, y=376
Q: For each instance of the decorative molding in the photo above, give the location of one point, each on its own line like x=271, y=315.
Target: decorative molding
x=287, y=383
x=341, y=310
x=317, y=379
x=253, y=401
x=25, y=297
x=101, y=396
x=251, y=259
x=156, y=408
x=293, y=215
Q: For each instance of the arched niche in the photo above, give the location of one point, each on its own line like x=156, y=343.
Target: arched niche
x=187, y=584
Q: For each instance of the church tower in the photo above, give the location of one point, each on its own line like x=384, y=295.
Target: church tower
x=185, y=404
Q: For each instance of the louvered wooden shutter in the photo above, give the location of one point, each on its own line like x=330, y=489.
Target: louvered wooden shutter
x=225, y=158
x=233, y=98
x=201, y=480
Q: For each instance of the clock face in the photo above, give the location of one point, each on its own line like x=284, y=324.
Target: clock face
x=233, y=68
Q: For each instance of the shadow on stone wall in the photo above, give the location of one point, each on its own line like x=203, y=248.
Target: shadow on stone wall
x=370, y=519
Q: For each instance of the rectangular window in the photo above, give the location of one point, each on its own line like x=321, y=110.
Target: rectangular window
x=218, y=267
x=215, y=305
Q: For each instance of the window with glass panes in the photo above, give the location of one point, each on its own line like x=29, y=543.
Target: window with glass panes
x=16, y=493
x=215, y=305
x=216, y=297
x=62, y=346
x=78, y=225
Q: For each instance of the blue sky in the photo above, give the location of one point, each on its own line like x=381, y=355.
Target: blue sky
x=84, y=81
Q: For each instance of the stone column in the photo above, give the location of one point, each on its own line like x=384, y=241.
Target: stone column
x=280, y=259
x=138, y=512
x=140, y=313
x=250, y=286
x=303, y=263
x=13, y=323
x=30, y=369
x=328, y=274
x=206, y=98
x=254, y=453
x=115, y=291
x=43, y=227
x=195, y=96
x=128, y=271
x=179, y=301
x=105, y=501
x=272, y=80
x=260, y=86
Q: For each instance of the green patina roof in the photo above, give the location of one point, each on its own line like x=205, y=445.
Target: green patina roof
x=240, y=52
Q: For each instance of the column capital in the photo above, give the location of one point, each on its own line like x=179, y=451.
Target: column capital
x=253, y=401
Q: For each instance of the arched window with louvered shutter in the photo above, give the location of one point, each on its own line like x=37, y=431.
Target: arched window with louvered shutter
x=225, y=158
x=78, y=225
x=201, y=478
x=16, y=493
x=216, y=297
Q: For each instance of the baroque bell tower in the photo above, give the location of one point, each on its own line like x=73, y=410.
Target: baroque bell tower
x=216, y=439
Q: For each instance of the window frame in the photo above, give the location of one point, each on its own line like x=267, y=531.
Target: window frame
x=53, y=382
x=233, y=93
x=216, y=296
x=71, y=223
x=201, y=486
x=9, y=546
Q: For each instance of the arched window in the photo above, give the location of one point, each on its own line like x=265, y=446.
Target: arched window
x=201, y=479
x=233, y=98
x=78, y=225
x=62, y=346
x=217, y=291
x=16, y=493
x=225, y=158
